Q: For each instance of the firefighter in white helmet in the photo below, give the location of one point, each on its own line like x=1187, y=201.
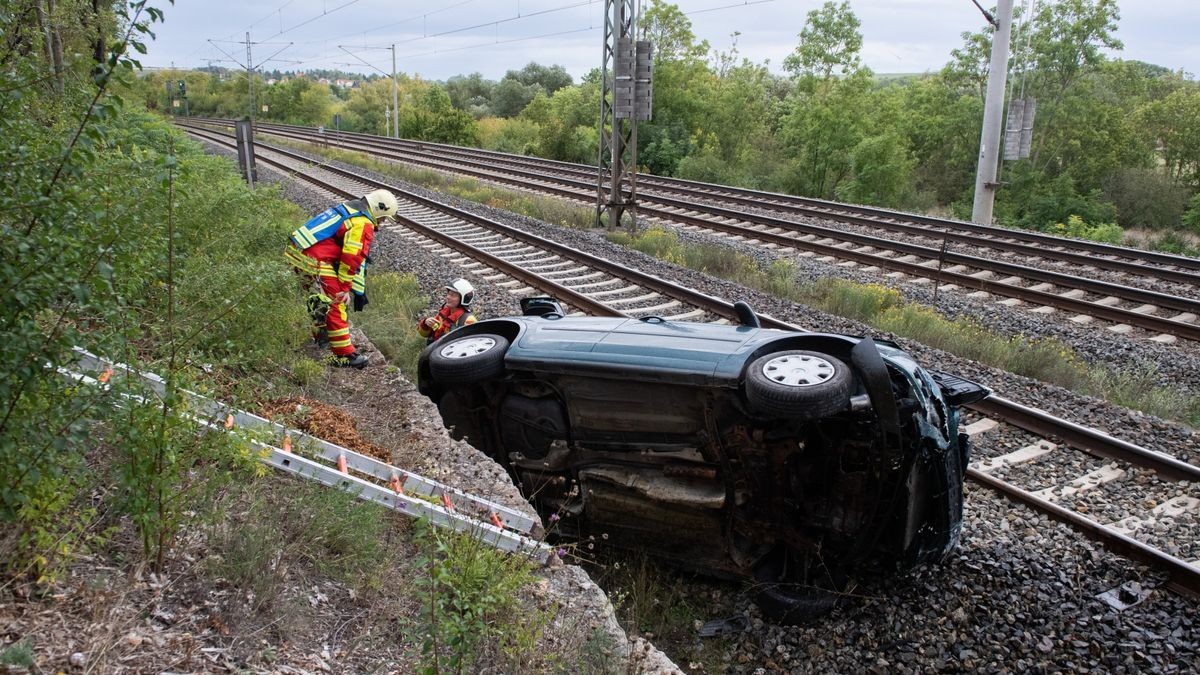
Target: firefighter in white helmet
x=455, y=313
x=329, y=252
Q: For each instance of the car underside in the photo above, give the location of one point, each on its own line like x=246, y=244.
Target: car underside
x=764, y=476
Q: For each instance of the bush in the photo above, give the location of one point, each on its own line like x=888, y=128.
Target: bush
x=1146, y=198
x=390, y=319
x=470, y=612
x=1192, y=217
x=1108, y=233
x=137, y=246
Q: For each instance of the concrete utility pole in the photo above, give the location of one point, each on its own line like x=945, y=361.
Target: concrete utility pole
x=250, y=77
x=395, y=95
x=993, y=113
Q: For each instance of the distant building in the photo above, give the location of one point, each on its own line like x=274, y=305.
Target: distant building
x=344, y=84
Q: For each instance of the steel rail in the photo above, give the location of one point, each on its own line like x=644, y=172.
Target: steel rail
x=703, y=301
x=1183, y=577
x=1031, y=419
x=1092, y=441
x=917, y=227
x=1050, y=246
x=1114, y=314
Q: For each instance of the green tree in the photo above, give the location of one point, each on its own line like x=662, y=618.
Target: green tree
x=471, y=93
x=511, y=96
x=1174, y=122
x=548, y=78
x=682, y=88
x=365, y=109
x=428, y=115
x=830, y=43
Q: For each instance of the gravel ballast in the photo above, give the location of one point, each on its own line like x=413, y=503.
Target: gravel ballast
x=1020, y=593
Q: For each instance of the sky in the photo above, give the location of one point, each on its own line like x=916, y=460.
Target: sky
x=438, y=39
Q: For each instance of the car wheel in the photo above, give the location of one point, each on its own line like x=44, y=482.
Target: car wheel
x=791, y=587
x=470, y=358
x=798, y=384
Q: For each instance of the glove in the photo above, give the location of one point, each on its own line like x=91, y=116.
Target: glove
x=360, y=301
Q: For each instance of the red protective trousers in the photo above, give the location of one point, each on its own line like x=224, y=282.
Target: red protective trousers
x=337, y=323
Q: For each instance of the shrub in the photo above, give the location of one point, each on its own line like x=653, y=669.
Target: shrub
x=1192, y=217
x=1146, y=198
x=391, y=317
x=1108, y=233
x=470, y=612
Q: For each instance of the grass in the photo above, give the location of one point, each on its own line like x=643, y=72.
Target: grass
x=19, y=654
x=257, y=537
x=545, y=209
x=1137, y=386
x=653, y=601
x=390, y=319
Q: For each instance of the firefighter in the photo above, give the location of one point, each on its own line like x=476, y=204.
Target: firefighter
x=456, y=313
x=329, y=253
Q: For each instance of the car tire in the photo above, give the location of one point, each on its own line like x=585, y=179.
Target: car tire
x=798, y=384
x=469, y=358
x=787, y=597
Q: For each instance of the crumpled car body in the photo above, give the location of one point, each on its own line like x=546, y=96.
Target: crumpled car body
x=791, y=458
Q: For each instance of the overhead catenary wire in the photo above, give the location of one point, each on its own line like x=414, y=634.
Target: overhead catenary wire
x=326, y=56
x=745, y=3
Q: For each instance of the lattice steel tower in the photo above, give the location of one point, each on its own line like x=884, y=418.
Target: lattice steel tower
x=625, y=98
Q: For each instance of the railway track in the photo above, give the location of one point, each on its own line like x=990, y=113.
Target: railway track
x=495, y=250
x=1160, y=298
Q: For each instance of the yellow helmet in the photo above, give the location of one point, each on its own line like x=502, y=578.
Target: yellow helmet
x=382, y=203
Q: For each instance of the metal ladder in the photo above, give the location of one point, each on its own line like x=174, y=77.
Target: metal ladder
x=331, y=464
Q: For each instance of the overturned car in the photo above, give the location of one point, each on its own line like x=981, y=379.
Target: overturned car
x=794, y=459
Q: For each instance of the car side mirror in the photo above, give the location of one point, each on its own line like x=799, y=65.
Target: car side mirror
x=541, y=306
x=745, y=314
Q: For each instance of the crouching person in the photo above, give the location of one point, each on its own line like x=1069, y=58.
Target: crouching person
x=455, y=313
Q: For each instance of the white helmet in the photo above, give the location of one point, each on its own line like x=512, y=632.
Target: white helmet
x=466, y=292
x=382, y=203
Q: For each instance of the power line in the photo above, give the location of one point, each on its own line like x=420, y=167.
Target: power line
x=746, y=3
x=497, y=42
x=404, y=21
x=326, y=57
x=497, y=22
x=319, y=16
x=278, y=11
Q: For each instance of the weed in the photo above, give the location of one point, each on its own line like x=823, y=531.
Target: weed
x=19, y=654
x=469, y=607
x=655, y=602
x=306, y=371
x=390, y=319
x=547, y=209
x=257, y=537
x=1049, y=360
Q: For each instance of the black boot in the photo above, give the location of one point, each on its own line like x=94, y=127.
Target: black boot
x=354, y=360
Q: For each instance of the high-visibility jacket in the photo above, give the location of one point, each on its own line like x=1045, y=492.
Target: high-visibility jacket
x=445, y=321
x=335, y=243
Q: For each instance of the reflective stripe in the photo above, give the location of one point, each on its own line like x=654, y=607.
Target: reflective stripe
x=340, y=343
x=352, y=240
x=325, y=225
x=339, y=332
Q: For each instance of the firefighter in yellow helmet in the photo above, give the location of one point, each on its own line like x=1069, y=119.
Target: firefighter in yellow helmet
x=455, y=313
x=330, y=252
